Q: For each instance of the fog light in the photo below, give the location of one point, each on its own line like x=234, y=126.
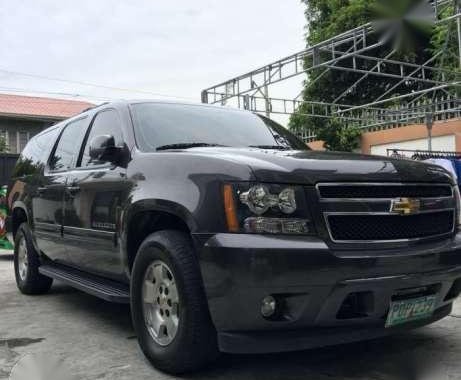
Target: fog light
x=268, y=307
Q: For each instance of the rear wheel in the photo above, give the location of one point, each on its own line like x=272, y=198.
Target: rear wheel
x=168, y=305
x=26, y=264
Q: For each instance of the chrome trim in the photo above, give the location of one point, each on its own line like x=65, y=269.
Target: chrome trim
x=87, y=230
x=371, y=184
x=328, y=213
x=376, y=200
x=409, y=276
x=47, y=226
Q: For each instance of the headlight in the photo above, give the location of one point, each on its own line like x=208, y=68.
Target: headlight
x=259, y=200
x=266, y=209
x=287, y=201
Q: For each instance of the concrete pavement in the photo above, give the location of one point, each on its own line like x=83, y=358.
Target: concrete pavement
x=95, y=340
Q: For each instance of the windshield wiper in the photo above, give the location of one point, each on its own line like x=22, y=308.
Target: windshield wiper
x=186, y=146
x=275, y=147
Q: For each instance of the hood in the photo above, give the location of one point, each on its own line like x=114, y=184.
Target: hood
x=311, y=167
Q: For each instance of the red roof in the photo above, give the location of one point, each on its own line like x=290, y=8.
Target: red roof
x=47, y=108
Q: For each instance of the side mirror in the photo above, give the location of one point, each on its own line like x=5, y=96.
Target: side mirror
x=103, y=149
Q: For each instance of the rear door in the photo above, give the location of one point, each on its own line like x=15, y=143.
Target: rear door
x=95, y=193
x=37, y=192
x=48, y=205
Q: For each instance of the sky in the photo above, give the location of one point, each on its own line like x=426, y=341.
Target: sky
x=175, y=47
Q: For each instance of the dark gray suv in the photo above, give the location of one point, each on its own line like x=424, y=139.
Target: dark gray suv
x=226, y=233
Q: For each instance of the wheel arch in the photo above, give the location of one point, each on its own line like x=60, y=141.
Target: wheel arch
x=19, y=215
x=148, y=216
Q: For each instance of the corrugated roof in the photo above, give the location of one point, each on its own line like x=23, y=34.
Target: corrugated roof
x=31, y=106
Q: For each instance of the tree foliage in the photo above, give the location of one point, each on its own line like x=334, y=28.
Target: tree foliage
x=339, y=137
x=327, y=18
x=3, y=145
x=444, y=39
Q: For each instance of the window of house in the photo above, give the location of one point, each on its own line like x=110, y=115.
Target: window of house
x=12, y=139
x=23, y=138
x=105, y=123
x=4, y=138
x=68, y=145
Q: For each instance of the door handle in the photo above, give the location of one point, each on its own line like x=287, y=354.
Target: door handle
x=73, y=189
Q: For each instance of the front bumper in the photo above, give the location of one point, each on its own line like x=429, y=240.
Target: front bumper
x=314, y=285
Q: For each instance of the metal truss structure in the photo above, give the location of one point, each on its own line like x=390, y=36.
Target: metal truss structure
x=439, y=90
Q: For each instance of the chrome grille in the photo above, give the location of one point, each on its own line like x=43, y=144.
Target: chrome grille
x=361, y=212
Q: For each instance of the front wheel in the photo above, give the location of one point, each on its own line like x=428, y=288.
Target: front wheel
x=168, y=305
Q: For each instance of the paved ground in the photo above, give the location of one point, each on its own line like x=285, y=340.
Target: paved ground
x=96, y=341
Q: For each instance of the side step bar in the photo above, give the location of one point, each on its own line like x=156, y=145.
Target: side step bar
x=106, y=289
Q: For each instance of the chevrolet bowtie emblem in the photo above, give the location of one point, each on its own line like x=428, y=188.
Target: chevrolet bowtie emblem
x=405, y=206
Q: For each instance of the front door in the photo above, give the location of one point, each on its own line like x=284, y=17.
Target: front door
x=92, y=210
x=93, y=203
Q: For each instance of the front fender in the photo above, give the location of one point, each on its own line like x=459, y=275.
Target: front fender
x=160, y=205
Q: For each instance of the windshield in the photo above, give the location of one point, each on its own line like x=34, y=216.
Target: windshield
x=160, y=126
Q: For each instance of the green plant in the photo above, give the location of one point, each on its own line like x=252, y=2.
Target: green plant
x=339, y=136
x=4, y=148
x=327, y=18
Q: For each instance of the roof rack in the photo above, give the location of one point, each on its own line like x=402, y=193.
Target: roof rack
x=95, y=106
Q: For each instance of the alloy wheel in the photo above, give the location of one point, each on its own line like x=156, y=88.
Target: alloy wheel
x=160, y=303
x=23, y=261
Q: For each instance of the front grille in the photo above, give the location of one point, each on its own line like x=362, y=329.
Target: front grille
x=383, y=191
x=389, y=227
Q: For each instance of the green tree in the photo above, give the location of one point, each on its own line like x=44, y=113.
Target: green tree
x=327, y=18
x=339, y=137
x=3, y=145
x=444, y=39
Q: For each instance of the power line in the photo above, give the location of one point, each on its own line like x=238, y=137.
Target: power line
x=84, y=83
x=81, y=97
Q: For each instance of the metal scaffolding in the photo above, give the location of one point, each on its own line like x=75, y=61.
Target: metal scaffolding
x=355, y=51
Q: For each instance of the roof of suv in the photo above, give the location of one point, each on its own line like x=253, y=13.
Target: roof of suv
x=119, y=103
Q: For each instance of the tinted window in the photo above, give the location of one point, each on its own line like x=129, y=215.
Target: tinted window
x=158, y=125
x=68, y=145
x=105, y=123
x=38, y=148
x=35, y=154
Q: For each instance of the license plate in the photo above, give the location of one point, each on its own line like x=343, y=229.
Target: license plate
x=409, y=310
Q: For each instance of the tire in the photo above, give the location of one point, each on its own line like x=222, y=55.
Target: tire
x=194, y=343
x=28, y=278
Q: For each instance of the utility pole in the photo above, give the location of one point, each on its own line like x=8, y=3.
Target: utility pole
x=268, y=103
x=429, y=125
x=458, y=22
x=204, y=97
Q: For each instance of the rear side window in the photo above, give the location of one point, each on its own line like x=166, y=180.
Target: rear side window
x=39, y=147
x=34, y=156
x=105, y=123
x=68, y=145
